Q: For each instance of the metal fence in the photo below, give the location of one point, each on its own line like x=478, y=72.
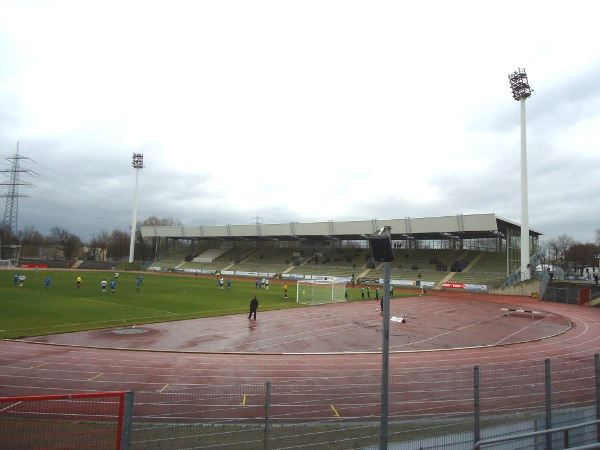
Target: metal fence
x=571, y=293
x=446, y=408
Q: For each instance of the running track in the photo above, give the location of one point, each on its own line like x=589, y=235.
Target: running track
x=39, y=369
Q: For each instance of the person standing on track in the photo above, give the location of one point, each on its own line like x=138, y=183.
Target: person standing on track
x=253, y=307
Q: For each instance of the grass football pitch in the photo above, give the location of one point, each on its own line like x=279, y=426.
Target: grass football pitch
x=33, y=310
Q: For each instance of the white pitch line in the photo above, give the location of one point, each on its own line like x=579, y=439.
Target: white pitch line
x=510, y=335
x=10, y=406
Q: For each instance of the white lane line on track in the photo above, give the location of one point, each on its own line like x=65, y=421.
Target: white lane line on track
x=95, y=377
x=10, y=406
x=509, y=336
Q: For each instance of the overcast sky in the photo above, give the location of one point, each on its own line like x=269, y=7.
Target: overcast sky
x=300, y=110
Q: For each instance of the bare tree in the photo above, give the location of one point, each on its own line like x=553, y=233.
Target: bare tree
x=66, y=245
x=33, y=243
x=98, y=245
x=118, y=244
x=559, y=248
x=581, y=255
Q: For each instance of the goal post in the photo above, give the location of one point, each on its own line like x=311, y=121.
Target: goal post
x=7, y=263
x=317, y=292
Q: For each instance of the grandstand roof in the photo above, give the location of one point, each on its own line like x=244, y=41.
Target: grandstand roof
x=447, y=227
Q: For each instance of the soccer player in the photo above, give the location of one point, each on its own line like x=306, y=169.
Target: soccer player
x=377, y=293
x=362, y=292
x=47, y=282
x=346, y=293
x=253, y=307
x=267, y=284
x=369, y=292
x=138, y=283
x=228, y=283
x=103, y=285
x=78, y=282
x=221, y=281
x=285, y=289
x=113, y=286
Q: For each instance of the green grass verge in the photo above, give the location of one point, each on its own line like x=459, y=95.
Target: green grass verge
x=33, y=310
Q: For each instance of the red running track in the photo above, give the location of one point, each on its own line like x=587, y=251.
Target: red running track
x=33, y=368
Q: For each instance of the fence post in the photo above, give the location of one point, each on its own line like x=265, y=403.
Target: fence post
x=127, y=421
x=476, y=409
x=548, y=389
x=597, y=370
x=267, y=406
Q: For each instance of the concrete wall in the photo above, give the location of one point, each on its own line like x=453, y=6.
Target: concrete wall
x=526, y=289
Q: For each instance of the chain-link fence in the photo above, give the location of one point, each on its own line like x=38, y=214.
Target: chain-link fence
x=446, y=408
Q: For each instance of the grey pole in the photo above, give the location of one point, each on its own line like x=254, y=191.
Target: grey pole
x=127, y=421
x=521, y=90
x=597, y=371
x=525, y=272
x=137, y=164
x=476, y=406
x=267, y=407
x=548, y=388
x=385, y=358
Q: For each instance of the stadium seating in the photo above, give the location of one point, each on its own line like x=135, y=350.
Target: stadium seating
x=273, y=260
x=433, y=265
x=489, y=269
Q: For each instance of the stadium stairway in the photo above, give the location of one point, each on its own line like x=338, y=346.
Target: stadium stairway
x=250, y=256
x=364, y=273
x=77, y=264
x=472, y=263
x=445, y=279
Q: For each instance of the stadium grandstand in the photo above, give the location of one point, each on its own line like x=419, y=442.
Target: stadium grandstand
x=478, y=250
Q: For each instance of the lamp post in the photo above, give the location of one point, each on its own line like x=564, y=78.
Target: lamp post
x=521, y=91
x=137, y=164
x=381, y=246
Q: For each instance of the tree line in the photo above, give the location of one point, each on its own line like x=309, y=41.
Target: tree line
x=567, y=253
x=61, y=244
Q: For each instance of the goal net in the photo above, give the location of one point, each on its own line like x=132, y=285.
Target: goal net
x=313, y=292
x=7, y=263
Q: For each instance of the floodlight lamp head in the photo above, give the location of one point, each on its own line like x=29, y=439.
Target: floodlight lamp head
x=381, y=245
x=519, y=84
x=138, y=161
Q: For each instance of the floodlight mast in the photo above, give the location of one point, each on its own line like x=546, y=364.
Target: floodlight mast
x=137, y=164
x=519, y=85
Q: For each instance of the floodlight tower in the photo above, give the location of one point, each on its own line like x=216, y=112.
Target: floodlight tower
x=137, y=164
x=522, y=91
